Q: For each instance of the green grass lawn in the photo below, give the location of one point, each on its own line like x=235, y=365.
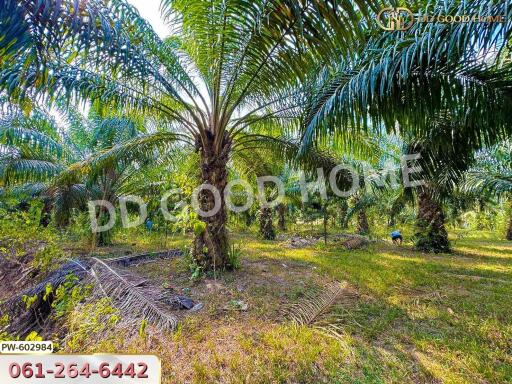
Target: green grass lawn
x=407, y=317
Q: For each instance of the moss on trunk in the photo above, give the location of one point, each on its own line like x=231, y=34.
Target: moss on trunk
x=210, y=249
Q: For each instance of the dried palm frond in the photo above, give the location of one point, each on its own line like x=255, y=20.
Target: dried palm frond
x=36, y=316
x=147, y=257
x=355, y=242
x=130, y=298
x=315, y=310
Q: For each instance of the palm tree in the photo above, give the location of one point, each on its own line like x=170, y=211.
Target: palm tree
x=492, y=174
x=360, y=202
x=407, y=82
x=33, y=154
x=447, y=151
x=230, y=65
x=225, y=67
x=61, y=166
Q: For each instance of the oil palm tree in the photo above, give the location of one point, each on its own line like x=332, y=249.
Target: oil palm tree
x=492, y=175
x=57, y=164
x=225, y=66
x=405, y=82
x=33, y=154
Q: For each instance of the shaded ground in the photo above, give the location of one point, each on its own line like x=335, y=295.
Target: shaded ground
x=409, y=317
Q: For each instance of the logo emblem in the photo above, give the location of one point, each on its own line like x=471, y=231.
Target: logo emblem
x=395, y=19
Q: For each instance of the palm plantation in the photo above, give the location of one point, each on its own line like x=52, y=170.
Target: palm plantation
x=96, y=106
x=491, y=175
x=208, y=81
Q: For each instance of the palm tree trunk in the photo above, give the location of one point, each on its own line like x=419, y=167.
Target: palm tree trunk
x=326, y=217
x=281, y=212
x=103, y=238
x=249, y=218
x=266, y=227
x=342, y=213
x=480, y=216
x=210, y=249
x=363, y=228
x=46, y=213
x=509, y=230
x=431, y=235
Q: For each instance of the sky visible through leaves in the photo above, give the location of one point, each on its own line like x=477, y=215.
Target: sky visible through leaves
x=150, y=10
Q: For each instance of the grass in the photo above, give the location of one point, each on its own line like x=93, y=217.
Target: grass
x=412, y=317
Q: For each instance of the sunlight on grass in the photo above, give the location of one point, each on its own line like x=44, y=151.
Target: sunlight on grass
x=413, y=317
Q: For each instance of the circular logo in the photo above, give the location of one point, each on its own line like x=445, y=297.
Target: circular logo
x=395, y=19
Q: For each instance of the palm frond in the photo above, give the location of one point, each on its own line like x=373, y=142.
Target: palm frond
x=361, y=203
x=491, y=172
x=19, y=170
x=13, y=135
x=36, y=316
x=123, y=155
x=15, y=35
x=480, y=181
x=130, y=299
x=385, y=84
x=315, y=310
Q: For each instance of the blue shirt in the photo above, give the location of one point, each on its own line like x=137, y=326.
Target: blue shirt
x=395, y=234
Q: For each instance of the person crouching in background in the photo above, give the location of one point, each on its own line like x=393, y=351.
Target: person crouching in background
x=397, y=238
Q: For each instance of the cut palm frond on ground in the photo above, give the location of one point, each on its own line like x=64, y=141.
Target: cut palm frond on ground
x=353, y=241
x=315, y=310
x=147, y=257
x=131, y=299
x=132, y=296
